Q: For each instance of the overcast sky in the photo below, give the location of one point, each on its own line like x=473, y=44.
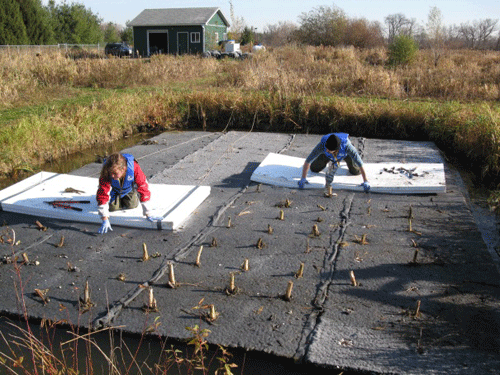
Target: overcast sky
x=258, y=13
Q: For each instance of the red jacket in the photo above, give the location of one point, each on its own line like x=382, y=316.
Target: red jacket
x=103, y=192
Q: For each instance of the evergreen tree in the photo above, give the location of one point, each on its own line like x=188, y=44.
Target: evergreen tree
x=127, y=35
x=75, y=24
x=111, y=33
x=36, y=21
x=12, y=29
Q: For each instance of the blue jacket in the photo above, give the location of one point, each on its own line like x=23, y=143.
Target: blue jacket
x=128, y=181
x=342, y=151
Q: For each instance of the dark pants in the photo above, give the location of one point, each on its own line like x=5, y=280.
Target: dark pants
x=131, y=200
x=321, y=161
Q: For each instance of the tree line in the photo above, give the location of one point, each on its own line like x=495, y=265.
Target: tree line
x=29, y=22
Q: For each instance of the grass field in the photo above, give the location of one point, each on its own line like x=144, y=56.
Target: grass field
x=52, y=105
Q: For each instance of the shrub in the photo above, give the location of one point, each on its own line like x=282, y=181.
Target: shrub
x=403, y=50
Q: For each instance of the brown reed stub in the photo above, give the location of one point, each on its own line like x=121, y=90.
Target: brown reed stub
x=260, y=244
x=151, y=306
x=308, y=247
x=145, y=255
x=214, y=242
x=319, y=219
x=288, y=294
x=415, y=255
x=417, y=310
x=315, y=231
x=362, y=240
x=198, y=257
x=281, y=216
x=42, y=293
x=212, y=314
x=269, y=229
x=245, y=266
x=121, y=277
x=85, y=302
x=231, y=289
x=300, y=272
x=288, y=203
x=40, y=226
x=61, y=242
x=229, y=222
x=321, y=207
x=171, y=277
x=353, y=279
x=72, y=268
x=329, y=192
x=258, y=188
x=25, y=258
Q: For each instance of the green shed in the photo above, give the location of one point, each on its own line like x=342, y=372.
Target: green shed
x=178, y=30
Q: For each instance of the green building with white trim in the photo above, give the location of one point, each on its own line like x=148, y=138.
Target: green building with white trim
x=178, y=30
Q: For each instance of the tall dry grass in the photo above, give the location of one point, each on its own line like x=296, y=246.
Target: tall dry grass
x=453, y=102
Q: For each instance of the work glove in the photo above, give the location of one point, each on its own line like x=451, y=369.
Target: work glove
x=366, y=186
x=106, y=225
x=302, y=183
x=154, y=219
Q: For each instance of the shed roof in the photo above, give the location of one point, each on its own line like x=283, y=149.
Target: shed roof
x=176, y=17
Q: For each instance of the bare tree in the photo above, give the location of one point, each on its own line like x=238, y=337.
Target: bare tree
x=476, y=35
x=398, y=24
x=435, y=31
x=237, y=23
x=279, y=34
x=323, y=26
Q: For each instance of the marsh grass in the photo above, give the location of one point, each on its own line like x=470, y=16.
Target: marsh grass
x=452, y=101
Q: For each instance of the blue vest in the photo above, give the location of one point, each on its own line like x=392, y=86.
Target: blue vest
x=128, y=181
x=342, y=151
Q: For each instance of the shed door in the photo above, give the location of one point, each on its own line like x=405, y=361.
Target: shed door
x=157, y=42
x=182, y=43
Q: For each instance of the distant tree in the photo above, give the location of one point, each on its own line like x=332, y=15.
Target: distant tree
x=247, y=36
x=402, y=50
x=361, y=33
x=127, y=35
x=37, y=22
x=237, y=24
x=398, y=24
x=12, y=29
x=279, y=34
x=75, y=24
x=111, y=32
x=435, y=33
x=323, y=26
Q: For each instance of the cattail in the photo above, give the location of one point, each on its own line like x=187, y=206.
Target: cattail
x=260, y=244
x=353, y=279
x=417, y=310
x=213, y=315
x=145, y=255
x=198, y=257
x=171, y=276
x=300, y=272
x=282, y=215
x=288, y=293
x=86, y=294
x=245, y=267
x=152, y=306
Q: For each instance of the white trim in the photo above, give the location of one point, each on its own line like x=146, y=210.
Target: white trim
x=153, y=31
x=193, y=38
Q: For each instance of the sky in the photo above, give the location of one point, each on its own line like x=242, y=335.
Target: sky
x=259, y=13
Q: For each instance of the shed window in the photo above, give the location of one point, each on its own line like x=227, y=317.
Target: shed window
x=195, y=37
x=216, y=37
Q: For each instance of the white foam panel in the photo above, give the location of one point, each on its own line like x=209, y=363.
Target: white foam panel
x=390, y=178
x=174, y=203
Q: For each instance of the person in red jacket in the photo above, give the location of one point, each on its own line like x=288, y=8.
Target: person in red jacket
x=122, y=185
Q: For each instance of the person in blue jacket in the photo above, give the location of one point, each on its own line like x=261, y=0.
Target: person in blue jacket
x=331, y=150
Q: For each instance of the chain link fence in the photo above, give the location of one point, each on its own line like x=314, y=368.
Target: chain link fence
x=65, y=48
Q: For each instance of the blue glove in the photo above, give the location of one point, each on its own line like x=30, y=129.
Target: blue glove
x=106, y=225
x=155, y=218
x=302, y=182
x=366, y=186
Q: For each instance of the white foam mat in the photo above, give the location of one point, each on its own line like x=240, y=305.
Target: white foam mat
x=174, y=203
x=390, y=178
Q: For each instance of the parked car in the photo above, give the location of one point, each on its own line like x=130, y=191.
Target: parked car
x=118, y=49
